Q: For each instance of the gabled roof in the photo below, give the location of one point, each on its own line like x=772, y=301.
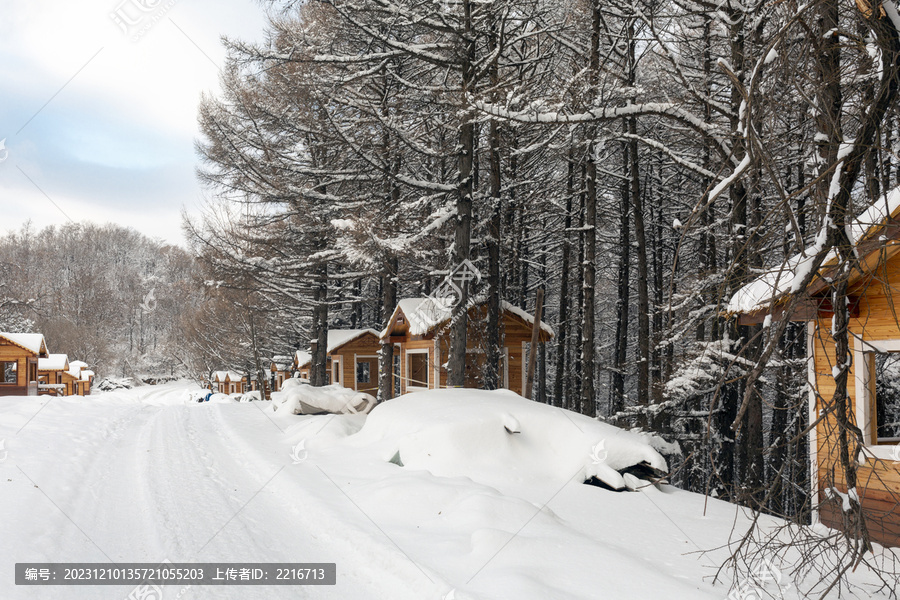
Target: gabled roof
x=226, y=376
x=33, y=342
x=872, y=231
x=54, y=362
x=78, y=365
x=340, y=337
x=426, y=314
x=87, y=375
x=282, y=362
x=302, y=358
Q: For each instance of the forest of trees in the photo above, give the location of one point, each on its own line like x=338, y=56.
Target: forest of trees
x=638, y=161
x=106, y=295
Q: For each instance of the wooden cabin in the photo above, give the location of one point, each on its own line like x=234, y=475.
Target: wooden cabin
x=352, y=359
x=419, y=330
x=229, y=382
x=279, y=370
x=874, y=377
x=50, y=375
x=19, y=356
x=302, y=364
x=78, y=379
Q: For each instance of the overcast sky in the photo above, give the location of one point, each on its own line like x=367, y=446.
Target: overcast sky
x=99, y=123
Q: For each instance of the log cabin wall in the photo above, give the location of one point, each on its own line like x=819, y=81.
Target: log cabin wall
x=878, y=479
x=26, y=364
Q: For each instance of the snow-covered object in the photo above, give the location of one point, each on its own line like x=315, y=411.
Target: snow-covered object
x=786, y=277
x=115, y=383
x=250, y=397
x=466, y=433
x=299, y=398
x=33, y=342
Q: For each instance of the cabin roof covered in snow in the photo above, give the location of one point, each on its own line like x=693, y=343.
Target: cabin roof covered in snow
x=427, y=313
x=282, y=362
x=54, y=362
x=780, y=281
x=33, y=342
x=86, y=375
x=78, y=365
x=223, y=376
x=339, y=337
x=303, y=358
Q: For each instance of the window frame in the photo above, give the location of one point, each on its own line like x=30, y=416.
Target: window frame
x=409, y=354
x=863, y=355
x=15, y=364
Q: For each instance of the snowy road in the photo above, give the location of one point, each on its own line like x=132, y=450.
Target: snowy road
x=151, y=479
x=457, y=494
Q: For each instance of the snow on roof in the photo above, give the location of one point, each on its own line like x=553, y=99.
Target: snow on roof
x=423, y=314
x=33, y=342
x=282, y=362
x=339, y=337
x=303, y=358
x=54, y=362
x=527, y=317
x=220, y=376
x=785, y=278
x=77, y=365
x=87, y=375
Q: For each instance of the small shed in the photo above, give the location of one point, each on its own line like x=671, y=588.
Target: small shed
x=50, y=374
x=419, y=330
x=874, y=375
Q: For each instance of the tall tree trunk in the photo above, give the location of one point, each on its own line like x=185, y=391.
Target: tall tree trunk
x=456, y=365
x=559, y=398
x=590, y=235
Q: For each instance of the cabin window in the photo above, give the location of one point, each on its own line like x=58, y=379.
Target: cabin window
x=887, y=396
x=363, y=374
x=8, y=372
x=32, y=372
x=417, y=367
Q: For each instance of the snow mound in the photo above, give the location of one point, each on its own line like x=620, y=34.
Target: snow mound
x=299, y=398
x=498, y=438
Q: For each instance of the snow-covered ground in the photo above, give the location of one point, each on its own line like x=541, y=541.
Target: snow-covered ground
x=452, y=494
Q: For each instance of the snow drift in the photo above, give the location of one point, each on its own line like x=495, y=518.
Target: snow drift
x=498, y=437
x=299, y=398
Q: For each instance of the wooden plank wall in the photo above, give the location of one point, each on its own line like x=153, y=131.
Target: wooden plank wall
x=22, y=358
x=878, y=480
